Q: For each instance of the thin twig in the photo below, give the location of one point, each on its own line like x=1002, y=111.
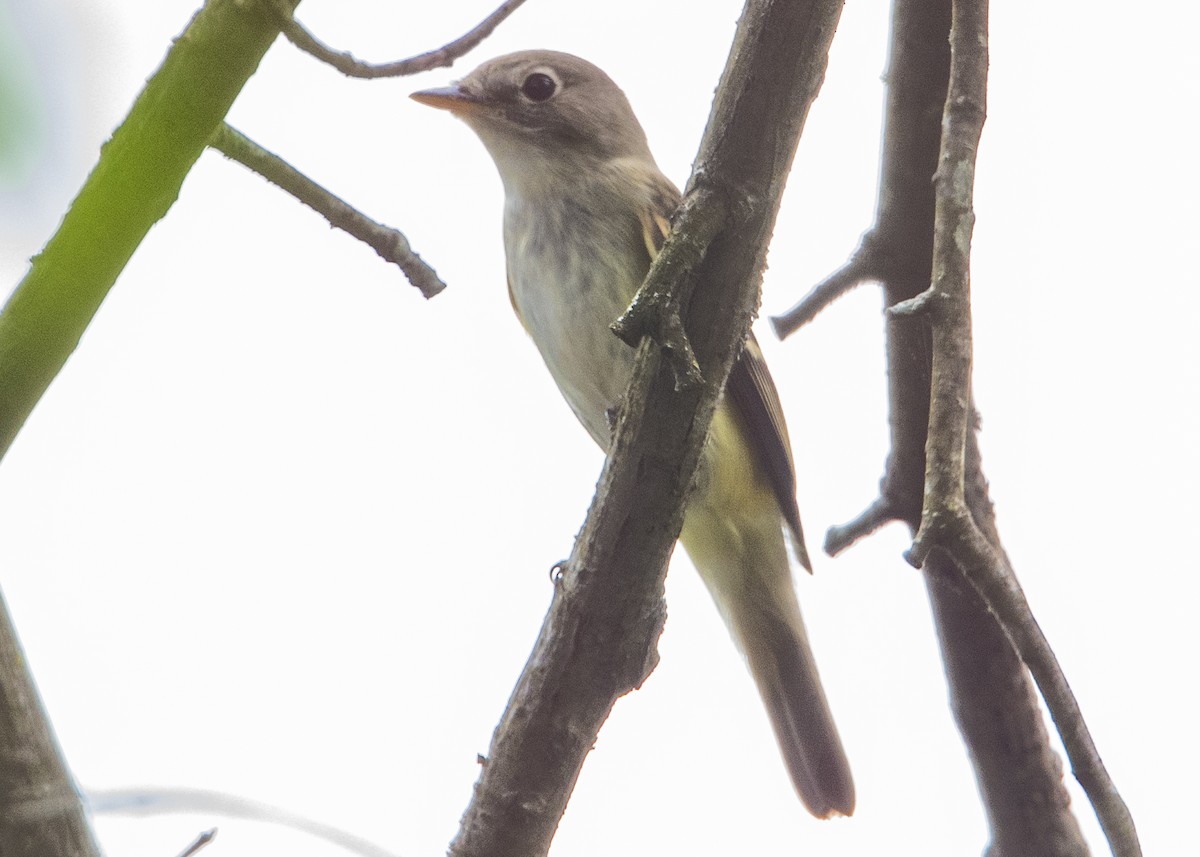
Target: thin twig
x=199, y=842
x=161, y=801
x=389, y=243
x=862, y=266
x=133, y=185
x=946, y=521
x=347, y=64
x=878, y=514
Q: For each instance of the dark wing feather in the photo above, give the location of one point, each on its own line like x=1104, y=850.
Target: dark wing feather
x=756, y=402
x=749, y=389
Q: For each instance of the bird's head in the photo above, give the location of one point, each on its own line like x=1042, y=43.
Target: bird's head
x=543, y=113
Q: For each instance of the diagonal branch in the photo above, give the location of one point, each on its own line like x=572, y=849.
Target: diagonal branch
x=135, y=182
x=347, y=64
x=204, y=838
x=865, y=264
x=598, y=640
x=877, y=515
x=389, y=243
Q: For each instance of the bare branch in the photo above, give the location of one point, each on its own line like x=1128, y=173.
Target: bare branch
x=991, y=575
x=41, y=814
x=199, y=842
x=878, y=514
x=347, y=64
x=946, y=521
x=862, y=266
x=992, y=696
x=389, y=243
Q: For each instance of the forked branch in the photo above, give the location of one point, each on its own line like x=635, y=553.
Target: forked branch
x=1020, y=777
x=946, y=521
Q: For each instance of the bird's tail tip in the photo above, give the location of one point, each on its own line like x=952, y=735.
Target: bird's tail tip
x=786, y=675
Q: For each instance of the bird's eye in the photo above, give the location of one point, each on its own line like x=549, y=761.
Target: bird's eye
x=538, y=86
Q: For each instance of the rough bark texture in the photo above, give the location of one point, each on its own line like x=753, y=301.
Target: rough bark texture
x=41, y=814
x=992, y=697
x=598, y=641
x=1019, y=776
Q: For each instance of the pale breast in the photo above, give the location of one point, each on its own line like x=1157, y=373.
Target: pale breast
x=573, y=268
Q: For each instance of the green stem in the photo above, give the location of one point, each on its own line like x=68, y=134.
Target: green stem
x=137, y=178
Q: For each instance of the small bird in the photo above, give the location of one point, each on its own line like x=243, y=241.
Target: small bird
x=585, y=211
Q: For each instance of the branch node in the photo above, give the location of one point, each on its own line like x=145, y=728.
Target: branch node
x=658, y=316
x=656, y=310
x=916, y=554
x=645, y=316
x=926, y=303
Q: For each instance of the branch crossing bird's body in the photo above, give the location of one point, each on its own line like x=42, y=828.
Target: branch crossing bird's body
x=586, y=209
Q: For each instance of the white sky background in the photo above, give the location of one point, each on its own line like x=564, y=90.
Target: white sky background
x=281, y=528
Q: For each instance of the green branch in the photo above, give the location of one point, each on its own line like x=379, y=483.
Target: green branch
x=134, y=184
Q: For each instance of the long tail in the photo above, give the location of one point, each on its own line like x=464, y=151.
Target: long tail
x=734, y=536
x=782, y=665
x=759, y=605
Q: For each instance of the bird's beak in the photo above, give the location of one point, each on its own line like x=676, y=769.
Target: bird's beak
x=453, y=98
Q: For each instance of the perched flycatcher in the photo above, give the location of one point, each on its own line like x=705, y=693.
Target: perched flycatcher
x=585, y=211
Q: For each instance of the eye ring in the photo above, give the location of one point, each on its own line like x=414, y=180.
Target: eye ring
x=539, y=86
